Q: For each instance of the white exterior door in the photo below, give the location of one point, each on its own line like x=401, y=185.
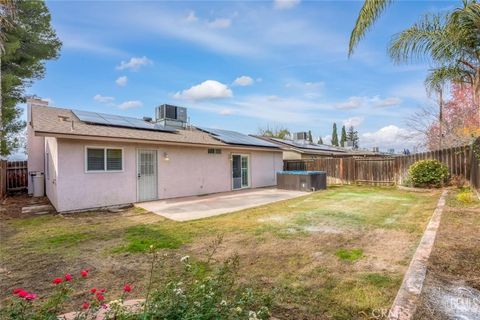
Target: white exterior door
x=240, y=171
x=146, y=175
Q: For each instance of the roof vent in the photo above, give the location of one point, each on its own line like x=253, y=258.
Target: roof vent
x=170, y=115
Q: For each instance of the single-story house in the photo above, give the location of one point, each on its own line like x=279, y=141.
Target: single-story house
x=93, y=160
x=302, y=149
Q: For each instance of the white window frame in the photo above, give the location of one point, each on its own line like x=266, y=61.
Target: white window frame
x=104, y=159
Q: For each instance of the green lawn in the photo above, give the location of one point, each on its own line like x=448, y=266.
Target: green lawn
x=335, y=254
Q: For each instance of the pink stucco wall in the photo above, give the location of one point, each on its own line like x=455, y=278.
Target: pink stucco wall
x=189, y=171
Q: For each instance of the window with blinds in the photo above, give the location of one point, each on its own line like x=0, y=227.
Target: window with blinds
x=104, y=159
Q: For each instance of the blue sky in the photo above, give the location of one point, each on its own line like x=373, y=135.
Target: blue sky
x=238, y=65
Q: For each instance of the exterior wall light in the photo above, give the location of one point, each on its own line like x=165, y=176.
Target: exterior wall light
x=165, y=156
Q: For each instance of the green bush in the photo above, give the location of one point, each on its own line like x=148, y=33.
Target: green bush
x=428, y=173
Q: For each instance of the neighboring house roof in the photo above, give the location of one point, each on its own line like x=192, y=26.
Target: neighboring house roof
x=63, y=122
x=318, y=149
x=306, y=148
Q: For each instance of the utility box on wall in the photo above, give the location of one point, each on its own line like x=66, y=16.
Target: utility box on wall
x=302, y=180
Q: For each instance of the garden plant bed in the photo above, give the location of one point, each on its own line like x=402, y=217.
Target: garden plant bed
x=339, y=254
x=452, y=284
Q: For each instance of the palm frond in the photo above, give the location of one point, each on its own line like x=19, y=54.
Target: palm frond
x=443, y=75
x=367, y=16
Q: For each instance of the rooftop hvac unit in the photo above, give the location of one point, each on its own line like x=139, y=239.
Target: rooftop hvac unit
x=375, y=149
x=300, y=136
x=170, y=115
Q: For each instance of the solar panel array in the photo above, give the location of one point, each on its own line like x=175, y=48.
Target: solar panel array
x=119, y=121
x=311, y=146
x=232, y=137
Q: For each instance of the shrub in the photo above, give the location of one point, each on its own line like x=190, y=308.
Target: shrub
x=465, y=196
x=428, y=173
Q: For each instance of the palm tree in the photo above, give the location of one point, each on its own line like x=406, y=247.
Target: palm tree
x=450, y=42
x=369, y=13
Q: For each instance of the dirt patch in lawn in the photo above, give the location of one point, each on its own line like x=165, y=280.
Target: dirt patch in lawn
x=453, y=283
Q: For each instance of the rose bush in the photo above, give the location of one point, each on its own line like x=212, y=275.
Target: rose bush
x=192, y=293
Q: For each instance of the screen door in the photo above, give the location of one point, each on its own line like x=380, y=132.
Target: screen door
x=146, y=175
x=240, y=171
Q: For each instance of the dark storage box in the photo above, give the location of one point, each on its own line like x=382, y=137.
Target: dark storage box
x=302, y=180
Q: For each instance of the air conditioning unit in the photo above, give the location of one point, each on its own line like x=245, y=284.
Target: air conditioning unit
x=375, y=149
x=300, y=136
x=170, y=115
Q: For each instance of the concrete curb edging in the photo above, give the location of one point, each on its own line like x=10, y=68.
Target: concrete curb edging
x=405, y=303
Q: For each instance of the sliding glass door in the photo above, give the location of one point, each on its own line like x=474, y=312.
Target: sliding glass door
x=240, y=171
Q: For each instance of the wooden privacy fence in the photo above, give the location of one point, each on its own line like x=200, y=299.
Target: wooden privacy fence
x=387, y=170
x=13, y=176
x=3, y=179
x=475, y=166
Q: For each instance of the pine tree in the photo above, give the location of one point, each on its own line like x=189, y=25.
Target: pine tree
x=334, y=135
x=310, y=138
x=320, y=140
x=352, y=135
x=28, y=41
x=343, y=138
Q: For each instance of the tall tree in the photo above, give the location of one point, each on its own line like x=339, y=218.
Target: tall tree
x=343, y=137
x=352, y=136
x=310, y=138
x=28, y=41
x=450, y=41
x=334, y=135
x=320, y=140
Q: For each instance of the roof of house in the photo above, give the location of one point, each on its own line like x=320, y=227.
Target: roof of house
x=63, y=122
x=318, y=149
x=304, y=147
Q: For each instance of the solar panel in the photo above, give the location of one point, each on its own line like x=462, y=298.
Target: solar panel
x=119, y=121
x=232, y=137
x=312, y=146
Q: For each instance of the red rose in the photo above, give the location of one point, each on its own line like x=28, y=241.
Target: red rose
x=31, y=296
x=85, y=305
x=84, y=273
x=22, y=294
x=57, y=280
x=93, y=290
x=68, y=277
x=17, y=290
x=127, y=288
x=100, y=297
x=103, y=290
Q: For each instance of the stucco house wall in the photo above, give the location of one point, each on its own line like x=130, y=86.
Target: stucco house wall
x=188, y=171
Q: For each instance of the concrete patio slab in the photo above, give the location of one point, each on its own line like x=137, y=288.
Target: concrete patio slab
x=198, y=207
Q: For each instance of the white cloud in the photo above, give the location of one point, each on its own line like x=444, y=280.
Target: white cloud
x=209, y=89
x=191, y=17
x=219, y=23
x=351, y=103
x=387, y=102
x=121, y=81
x=285, y=4
x=103, y=99
x=243, y=81
x=412, y=90
x=353, y=121
x=226, y=112
x=130, y=104
x=355, y=102
x=134, y=63
x=390, y=137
